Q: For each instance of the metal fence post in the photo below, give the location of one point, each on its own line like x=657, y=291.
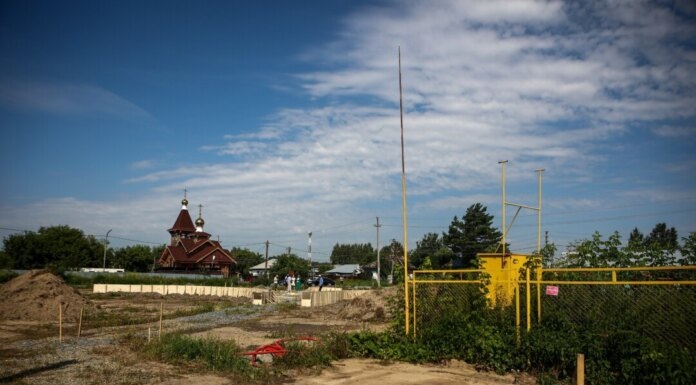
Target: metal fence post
x=529, y=300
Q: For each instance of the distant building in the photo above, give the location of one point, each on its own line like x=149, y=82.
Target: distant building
x=346, y=271
x=192, y=249
x=260, y=269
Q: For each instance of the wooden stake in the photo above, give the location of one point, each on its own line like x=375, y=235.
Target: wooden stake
x=580, y=375
x=159, y=335
x=79, y=325
x=60, y=323
x=149, y=333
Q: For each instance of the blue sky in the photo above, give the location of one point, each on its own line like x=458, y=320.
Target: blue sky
x=283, y=117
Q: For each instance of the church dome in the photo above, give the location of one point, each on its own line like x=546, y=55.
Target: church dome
x=200, y=222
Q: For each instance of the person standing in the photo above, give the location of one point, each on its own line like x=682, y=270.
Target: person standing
x=275, y=281
x=298, y=283
x=288, y=281
x=321, y=282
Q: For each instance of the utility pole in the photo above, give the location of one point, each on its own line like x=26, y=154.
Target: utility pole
x=106, y=244
x=379, y=277
x=267, y=259
x=546, y=238
x=309, y=253
x=289, y=250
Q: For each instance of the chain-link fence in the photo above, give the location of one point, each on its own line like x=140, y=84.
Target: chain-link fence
x=659, y=303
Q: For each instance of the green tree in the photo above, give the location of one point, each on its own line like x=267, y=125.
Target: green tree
x=246, y=259
x=393, y=255
x=688, y=250
x=431, y=246
x=5, y=260
x=547, y=254
x=661, y=245
x=598, y=252
x=56, y=247
x=636, y=240
x=137, y=258
x=360, y=253
x=287, y=263
x=473, y=234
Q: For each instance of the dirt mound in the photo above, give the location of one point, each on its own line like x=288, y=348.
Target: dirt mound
x=370, y=307
x=34, y=296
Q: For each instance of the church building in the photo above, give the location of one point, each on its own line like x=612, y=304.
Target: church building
x=192, y=249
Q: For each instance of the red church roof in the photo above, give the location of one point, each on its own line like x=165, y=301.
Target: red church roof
x=193, y=248
x=183, y=223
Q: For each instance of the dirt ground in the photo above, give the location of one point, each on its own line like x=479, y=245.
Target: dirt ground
x=30, y=352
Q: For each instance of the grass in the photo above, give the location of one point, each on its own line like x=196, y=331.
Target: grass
x=143, y=279
x=225, y=357
x=208, y=353
x=131, y=315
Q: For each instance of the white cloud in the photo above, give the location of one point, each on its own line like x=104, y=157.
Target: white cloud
x=542, y=84
x=674, y=132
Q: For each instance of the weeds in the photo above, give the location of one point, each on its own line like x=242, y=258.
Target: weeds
x=207, y=353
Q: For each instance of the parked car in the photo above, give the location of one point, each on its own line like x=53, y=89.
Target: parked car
x=315, y=282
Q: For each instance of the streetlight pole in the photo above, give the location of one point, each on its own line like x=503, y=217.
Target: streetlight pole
x=106, y=242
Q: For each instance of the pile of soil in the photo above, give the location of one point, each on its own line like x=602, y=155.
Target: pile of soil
x=36, y=295
x=370, y=307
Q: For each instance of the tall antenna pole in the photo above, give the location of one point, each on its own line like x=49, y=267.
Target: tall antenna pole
x=502, y=163
x=403, y=203
x=379, y=277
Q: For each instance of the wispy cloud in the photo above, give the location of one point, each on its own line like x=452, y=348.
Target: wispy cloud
x=143, y=164
x=674, y=132
x=68, y=99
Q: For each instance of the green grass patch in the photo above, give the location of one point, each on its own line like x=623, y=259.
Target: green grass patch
x=77, y=280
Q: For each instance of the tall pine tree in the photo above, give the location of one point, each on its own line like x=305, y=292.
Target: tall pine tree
x=473, y=234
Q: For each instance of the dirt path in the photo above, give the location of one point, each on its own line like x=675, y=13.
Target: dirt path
x=373, y=372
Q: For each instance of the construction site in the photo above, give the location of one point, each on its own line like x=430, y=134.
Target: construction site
x=53, y=333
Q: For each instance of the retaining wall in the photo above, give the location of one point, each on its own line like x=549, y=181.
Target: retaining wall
x=321, y=298
x=179, y=289
x=310, y=298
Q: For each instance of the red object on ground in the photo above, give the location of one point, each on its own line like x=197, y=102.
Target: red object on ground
x=276, y=349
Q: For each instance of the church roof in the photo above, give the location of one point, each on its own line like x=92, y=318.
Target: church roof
x=183, y=223
x=188, y=252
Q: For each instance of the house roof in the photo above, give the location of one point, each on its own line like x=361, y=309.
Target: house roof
x=262, y=265
x=345, y=269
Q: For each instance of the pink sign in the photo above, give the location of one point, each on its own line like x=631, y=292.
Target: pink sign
x=552, y=290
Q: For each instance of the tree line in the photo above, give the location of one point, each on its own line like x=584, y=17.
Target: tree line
x=65, y=248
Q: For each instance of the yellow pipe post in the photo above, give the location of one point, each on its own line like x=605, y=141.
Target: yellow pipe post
x=538, y=284
x=414, y=305
x=529, y=301
x=541, y=264
x=403, y=204
x=517, y=311
x=580, y=373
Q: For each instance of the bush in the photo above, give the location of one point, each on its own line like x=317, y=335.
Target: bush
x=6, y=275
